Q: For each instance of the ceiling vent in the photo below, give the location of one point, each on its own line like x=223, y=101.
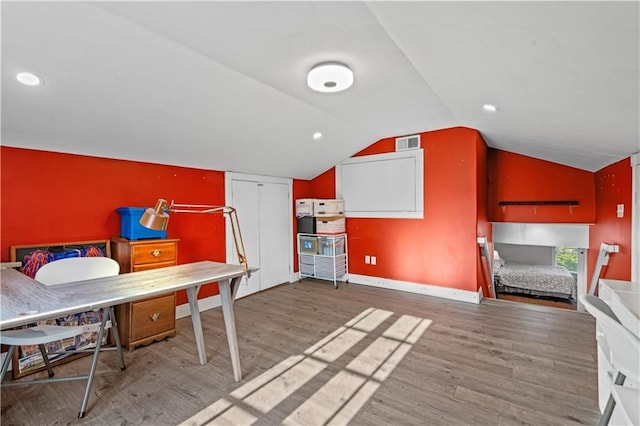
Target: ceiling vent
x=408, y=142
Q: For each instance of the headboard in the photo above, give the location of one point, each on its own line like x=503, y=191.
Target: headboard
x=17, y=253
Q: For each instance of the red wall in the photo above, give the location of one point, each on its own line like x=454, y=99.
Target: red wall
x=514, y=177
x=440, y=249
x=613, y=186
x=49, y=197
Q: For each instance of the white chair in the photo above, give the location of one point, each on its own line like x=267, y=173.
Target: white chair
x=59, y=272
x=623, y=352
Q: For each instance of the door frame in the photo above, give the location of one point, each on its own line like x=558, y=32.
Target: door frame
x=229, y=177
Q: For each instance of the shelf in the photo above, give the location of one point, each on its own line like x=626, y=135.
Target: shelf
x=539, y=203
x=323, y=256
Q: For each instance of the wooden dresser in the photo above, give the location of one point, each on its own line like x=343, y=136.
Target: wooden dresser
x=145, y=321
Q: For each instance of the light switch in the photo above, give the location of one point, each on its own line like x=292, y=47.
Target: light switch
x=620, y=210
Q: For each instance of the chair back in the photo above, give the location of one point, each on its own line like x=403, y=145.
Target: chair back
x=76, y=269
x=620, y=345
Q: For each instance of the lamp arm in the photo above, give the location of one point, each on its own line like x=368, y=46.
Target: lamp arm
x=157, y=217
x=233, y=219
x=237, y=237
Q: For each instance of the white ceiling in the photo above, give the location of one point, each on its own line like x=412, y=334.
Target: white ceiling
x=222, y=85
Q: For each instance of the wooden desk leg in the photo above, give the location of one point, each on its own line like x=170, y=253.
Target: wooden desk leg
x=230, y=325
x=192, y=295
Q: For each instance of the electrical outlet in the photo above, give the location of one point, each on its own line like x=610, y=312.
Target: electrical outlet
x=620, y=210
x=367, y=259
x=373, y=260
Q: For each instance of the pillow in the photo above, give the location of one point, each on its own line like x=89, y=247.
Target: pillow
x=497, y=262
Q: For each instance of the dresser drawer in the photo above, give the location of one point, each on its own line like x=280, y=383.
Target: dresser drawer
x=157, y=252
x=153, y=317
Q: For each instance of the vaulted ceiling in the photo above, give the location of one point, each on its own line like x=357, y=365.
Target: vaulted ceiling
x=222, y=85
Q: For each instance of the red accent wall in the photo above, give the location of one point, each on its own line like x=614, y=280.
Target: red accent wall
x=48, y=197
x=440, y=249
x=515, y=177
x=613, y=186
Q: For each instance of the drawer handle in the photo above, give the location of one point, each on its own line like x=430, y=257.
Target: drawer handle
x=154, y=317
x=156, y=253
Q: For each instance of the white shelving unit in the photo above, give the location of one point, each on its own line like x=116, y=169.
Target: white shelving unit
x=323, y=256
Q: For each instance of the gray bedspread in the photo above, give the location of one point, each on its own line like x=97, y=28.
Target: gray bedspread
x=540, y=280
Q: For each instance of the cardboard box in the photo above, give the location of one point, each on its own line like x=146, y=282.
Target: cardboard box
x=330, y=225
x=304, y=207
x=328, y=208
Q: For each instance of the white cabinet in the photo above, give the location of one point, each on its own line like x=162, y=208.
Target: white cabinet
x=323, y=256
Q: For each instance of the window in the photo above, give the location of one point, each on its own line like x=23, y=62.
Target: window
x=567, y=257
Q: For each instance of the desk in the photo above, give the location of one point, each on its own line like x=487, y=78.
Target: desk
x=25, y=301
x=624, y=299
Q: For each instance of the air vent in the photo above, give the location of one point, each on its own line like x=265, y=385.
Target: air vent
x=408, y=142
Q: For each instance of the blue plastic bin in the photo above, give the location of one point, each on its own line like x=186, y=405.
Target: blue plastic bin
x=130, y=227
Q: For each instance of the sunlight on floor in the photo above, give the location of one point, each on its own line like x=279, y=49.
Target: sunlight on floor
x=340, y=398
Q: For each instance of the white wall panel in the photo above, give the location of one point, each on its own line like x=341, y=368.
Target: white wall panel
x=542, y=234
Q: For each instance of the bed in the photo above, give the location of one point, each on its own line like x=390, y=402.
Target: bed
x=535, y=280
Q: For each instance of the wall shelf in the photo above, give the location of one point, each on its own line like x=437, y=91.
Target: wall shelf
x=570, y=203
x=539, y=203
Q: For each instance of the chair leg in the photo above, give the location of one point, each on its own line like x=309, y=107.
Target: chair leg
x=116, y=337
x=45, y=359
x=6, y=362
x=611, y=403
x=94, y=363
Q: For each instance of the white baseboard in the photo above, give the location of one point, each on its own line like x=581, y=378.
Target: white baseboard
x=203, y=305
x=424, y=289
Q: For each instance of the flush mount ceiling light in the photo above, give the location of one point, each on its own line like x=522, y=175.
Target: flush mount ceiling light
x=330, y=77
x=490, y=108
x=317, y=135
x=29, y=79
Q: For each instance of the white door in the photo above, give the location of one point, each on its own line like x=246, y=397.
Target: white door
x=264, y=213
x=275, y=244
x=245, y=198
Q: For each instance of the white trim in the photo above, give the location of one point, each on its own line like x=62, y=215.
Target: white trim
x=417, y=288
x=635, y=217
x=205, y=304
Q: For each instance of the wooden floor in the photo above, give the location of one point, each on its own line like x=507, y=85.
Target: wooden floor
x=496, y=363
x=545, y=301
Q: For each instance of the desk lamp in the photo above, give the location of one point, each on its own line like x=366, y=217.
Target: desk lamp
x=157, y=219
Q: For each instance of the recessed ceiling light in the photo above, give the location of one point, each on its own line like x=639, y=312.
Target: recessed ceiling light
x=490, y=108
x=29, y=79
x=330, y=77
x=317, y=135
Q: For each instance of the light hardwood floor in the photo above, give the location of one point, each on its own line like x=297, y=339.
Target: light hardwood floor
x=496, y=363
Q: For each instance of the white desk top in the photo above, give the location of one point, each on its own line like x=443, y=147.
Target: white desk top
x=624, y=299
x=24, y=300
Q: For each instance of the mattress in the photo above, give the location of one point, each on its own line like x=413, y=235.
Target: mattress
x=538, y=280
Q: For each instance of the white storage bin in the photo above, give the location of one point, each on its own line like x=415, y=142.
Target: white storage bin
x=304, y=207
x=328, y=208
x=306, y=259
x=330, y=225
x=306, y=269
